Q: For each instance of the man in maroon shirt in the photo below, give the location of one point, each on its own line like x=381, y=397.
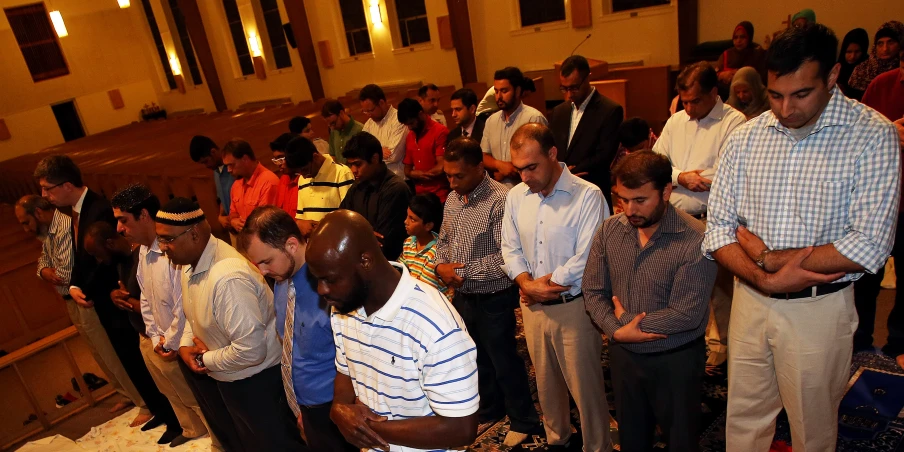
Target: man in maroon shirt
x=424, y=148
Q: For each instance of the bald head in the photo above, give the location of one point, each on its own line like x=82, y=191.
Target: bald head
x=344, y=255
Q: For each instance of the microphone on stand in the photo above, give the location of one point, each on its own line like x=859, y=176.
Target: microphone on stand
x=581, y=43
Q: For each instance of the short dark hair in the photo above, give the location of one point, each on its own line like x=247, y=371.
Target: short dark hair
x=639, y=168
x=239, y=148
x=362, y=146
x=464, y=148
x=372, y=93
x=796, y=46
x=331, y=107
x=700, y=72
x=532, y=131
x=298, y=124
x=101, y=231
x=271, y=225
x=408, y=109
x=279, y=144
x=633, y=131
x=200, y=147
x=512, y=74
x=59, y=169
x=428, y=208
x=528, y=86
x=299, y=152
x=31, y=203
x=575, y=63
x=422, y=91
x=135, y=198
x=467, y=96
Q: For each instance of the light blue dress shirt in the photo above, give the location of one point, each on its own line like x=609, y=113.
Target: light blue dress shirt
x=552, y=234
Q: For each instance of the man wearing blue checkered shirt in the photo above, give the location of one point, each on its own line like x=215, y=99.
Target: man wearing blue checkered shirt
x=804, y=201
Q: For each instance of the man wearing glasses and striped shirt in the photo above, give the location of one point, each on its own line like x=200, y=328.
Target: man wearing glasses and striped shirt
x=804, y=202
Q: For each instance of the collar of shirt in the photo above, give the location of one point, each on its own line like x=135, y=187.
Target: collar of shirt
x=206, y=258
x=670, y=223
x=325, y=168
x=481, y=189
x=429, y=125
x=348, y=126
x=838, y=112
x=220, y=169
x=470, y=129
x=716, y=114
x=388, y=117
x=56, y=225
x=77, y=208
x=389, y=309
x=565, y=183
x=249, y=182
x=428, y=246
x=586, y=101
x=513, y=116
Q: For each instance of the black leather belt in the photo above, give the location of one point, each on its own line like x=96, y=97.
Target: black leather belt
x=813, y=291
x=564, y=298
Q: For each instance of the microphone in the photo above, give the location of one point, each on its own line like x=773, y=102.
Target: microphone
x=580, y=43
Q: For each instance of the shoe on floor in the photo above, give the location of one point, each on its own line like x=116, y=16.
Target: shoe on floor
x=152, y=424
x=169, y=436
x=180, y=440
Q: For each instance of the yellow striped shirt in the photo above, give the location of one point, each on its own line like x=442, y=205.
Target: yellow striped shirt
x=422, y=263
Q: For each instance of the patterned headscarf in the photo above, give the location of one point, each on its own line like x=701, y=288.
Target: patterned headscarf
x=866, y=71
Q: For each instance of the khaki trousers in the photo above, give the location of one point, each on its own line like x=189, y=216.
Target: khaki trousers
x=565, y=348
x=88, y=325
x=794, y=354
x=720, y=316
x=171, y=383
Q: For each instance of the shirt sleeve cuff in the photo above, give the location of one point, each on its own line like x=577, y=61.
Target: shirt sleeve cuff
x=859, y=249
x=675, y=173
x=187, y=340
x=716, y=239
x=515, y=268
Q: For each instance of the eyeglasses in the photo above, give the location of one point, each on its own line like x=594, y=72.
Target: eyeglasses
x=278, y=161
x=574, y=88
x=168, y=240
x=43, y=188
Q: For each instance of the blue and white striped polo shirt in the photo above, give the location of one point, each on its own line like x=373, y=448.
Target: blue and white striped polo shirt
x=411, y=358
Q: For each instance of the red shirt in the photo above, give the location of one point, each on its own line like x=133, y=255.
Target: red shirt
x=261, y=189
x=288, y=194
x=886, y=94
x=422, y=153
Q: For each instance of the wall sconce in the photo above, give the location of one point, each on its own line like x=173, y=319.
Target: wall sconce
x=254, y=44
x=124, y=3
x=177, y=73
x=375, y=17
x=58, y=24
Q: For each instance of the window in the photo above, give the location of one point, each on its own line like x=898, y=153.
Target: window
x=536, y=12
x=158, y=42
x=624, y=5
x=413, y=25
x=355, y=23
x=275, y=32
x=38, y=41
x=238, y=36
x=189, y=51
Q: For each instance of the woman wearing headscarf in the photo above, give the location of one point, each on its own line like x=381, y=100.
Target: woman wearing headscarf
x=803, y=18
x=747, y=93
x=743, y=53
x=853, y=52
x=882, y=58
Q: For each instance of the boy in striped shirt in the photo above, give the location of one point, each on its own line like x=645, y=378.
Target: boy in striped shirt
x=407, y=370
x=425, y=214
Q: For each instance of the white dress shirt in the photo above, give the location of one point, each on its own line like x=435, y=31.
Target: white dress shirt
x=440, y=118
x=577, y=112
x=161, y=296
x=229, y=306
x=552, y=234
x=392, y=134
x=696, y=145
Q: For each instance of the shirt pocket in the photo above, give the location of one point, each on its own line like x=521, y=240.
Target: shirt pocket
x=822, y=206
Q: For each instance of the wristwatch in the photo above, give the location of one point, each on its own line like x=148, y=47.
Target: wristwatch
x=761, y=259
x=199, y=360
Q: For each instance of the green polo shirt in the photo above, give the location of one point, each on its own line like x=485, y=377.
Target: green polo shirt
x=339, y=137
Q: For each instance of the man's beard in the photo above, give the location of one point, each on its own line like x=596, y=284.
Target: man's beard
x=291, y=270
x=645, y=222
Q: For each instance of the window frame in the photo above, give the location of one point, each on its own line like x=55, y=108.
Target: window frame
x=188, y=51
x=59, y=71
x=159, y=45
x=343, y=33
x=395, y=21
x=518, y=30
x=279, y=35
x=235, y=25
x=606, y=13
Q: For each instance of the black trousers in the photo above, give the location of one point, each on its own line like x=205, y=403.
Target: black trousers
x=866, y=291
x=247, y=415
x=321, y=432
x=126, y=343
x=660, y=388
x=502, y=378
